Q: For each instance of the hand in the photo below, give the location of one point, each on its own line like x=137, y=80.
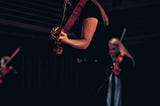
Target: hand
x=54, y=33
x=63, y=37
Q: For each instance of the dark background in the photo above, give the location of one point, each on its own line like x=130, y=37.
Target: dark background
x=27, y=24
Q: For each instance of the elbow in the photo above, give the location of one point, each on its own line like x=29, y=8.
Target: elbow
x=84, y=47
x=86, y=44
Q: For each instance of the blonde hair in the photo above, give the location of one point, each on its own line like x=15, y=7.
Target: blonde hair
x=122, y=48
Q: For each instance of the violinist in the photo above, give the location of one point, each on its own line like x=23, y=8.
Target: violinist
x=122, y=67
x=88, y=50
x=4, y=70
x=85, y=24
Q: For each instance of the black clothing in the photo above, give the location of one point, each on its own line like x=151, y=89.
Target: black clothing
x=89, y=74
x=126, y=80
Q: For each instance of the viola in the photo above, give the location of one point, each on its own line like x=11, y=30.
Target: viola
x=55, y=32
x=116, y=69
x=4, y=71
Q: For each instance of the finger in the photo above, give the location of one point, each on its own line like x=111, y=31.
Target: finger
x=54, y=29
x=54, y=37
x=63, y=33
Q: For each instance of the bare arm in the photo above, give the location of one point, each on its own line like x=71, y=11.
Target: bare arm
x=88, y=29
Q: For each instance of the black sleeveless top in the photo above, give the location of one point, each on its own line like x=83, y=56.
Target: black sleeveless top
x=98, y=46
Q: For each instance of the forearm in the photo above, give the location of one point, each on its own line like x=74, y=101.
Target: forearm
x=77, y=43
x=87, y=33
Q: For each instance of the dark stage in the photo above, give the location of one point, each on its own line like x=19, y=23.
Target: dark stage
x=45, y=78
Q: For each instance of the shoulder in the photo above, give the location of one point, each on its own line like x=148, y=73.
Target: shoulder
x=127, y=63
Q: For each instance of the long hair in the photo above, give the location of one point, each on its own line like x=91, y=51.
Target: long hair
x=122, y=48
x=102, y=11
